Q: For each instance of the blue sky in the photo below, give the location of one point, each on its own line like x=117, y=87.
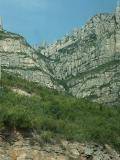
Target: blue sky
x=40, y=20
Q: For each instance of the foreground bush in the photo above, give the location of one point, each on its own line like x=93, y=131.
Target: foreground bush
x=56, y=114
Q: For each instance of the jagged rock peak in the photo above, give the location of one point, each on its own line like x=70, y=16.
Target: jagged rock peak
x=87, y=61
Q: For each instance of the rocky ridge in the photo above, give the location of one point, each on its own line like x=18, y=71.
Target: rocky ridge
x=85, y=63
x=18, y=57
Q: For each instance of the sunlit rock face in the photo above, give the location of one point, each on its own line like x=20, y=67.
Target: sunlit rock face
x=18, y=57
x=87, y=61
x=28, y=148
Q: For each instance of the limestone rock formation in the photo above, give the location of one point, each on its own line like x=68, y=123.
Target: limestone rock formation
x=18, y=57
x=87, y=61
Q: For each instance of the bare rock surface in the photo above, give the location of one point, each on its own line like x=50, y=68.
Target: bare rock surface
x=18, y=57
x=23, y=149
x=85, y=63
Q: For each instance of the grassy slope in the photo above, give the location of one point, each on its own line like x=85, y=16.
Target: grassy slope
x=53, y=114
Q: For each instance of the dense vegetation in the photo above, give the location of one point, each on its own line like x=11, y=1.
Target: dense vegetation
x=54, y=114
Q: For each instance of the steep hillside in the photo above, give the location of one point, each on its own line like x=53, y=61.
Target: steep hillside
x=45, y=116
x=19, y=57
x=87, y=61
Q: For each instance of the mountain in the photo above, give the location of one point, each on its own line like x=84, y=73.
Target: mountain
x=49, y=97
x=18, y=57
x=85, y=63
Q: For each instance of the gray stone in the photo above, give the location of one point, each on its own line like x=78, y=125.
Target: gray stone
x=85, y=63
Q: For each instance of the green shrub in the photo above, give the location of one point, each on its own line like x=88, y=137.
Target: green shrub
x=47, y=136
x=54, y=114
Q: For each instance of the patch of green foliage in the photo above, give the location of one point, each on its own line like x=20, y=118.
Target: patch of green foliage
x=4, y=34
x=54, y=114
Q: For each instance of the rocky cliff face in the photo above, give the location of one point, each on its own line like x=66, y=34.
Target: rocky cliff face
x=18, y=57
x=87, y=61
